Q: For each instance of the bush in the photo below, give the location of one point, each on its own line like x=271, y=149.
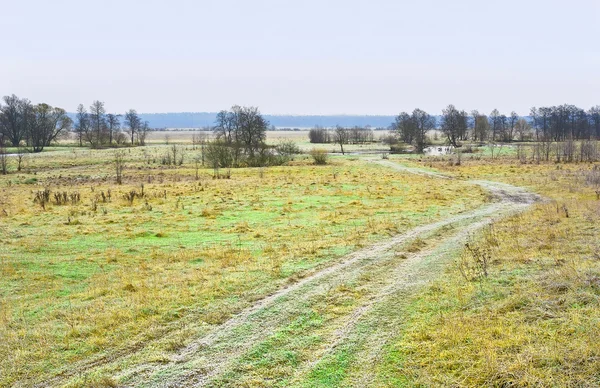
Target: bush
x=399, y=148
x=219, y=155
x=319, y=156
x=286, y=149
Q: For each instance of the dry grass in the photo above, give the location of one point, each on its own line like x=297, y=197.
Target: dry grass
x=107, y=276
x=534, y=320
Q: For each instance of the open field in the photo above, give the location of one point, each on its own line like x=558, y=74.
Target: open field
x=161, y=138
x=273, y=137
x=103, y=278
x=354, y=273
x=534, y=320
x=312, y=194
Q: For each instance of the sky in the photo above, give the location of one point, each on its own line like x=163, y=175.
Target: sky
x=302, y=57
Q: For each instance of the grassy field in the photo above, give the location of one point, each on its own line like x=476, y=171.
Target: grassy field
x=535, y=319
x=362, y=272
x=299, y=137
x=102, y=277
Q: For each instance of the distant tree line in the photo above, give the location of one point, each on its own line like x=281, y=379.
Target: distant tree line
x=352, y=135
x=556, y=123
x=23, y=124
x=565, y=122
x=99, y=129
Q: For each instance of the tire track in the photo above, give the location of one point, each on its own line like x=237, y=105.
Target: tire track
x=214, y=353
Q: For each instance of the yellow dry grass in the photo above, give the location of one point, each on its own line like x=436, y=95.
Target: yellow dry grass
x=535, y=320
x=104, y=278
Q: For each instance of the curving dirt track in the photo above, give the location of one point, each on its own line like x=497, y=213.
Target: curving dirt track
x=391, y=278
x=209, y=357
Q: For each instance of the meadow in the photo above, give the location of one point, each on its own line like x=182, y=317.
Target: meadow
x=478, y=269
x=534, y=319
x=94, y=271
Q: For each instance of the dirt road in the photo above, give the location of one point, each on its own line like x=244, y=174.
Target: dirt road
x=383, y=276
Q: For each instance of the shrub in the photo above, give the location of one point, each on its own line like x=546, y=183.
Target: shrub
x=286, y=149
x=319, y=156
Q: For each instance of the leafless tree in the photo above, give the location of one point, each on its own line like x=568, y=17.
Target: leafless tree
x=495, y=122
x=252, y=128
x=114, y=124
x=243, y=129
x=404, y=126
x=226, y=125
x=522, y=129
x=481, y=128
x=340, y=136
x=143, y=131
x=82, y=123
x=133, y=123
x=594, y=118
x=512, y=124
x=454, y=124
x=423, y=123
x=15, y=119
x=48, y=125
x=97, y=123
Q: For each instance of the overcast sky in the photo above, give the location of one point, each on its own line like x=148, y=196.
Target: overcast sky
x=302, y=56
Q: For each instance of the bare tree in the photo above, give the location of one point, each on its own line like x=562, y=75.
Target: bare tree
x=143, y=131
x=82, y=123
x=340, y=136
x=594, y=118
x=200, y=139
x=512, y=123
x=133, y=123
x=473, y=124
x=97, y=123
x=48, y=125
x=481, y=128
x=522, y=129
x=495, y=122
x=225, y=126
x=15, y=119
x=454, y=124
x=243, y=129
x=404, y=125
x=114, y=124
x=252, y=129
x=423, y=123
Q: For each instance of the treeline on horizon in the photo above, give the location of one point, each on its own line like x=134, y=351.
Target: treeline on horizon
x=554, y=123
x=206, y=120
x=23, y=124
x=37, y=126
